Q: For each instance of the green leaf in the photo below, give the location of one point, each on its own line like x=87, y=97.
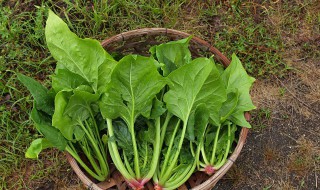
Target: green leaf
x=60, y=120
x=148, y=134
x=229, y=106
x=104, y=139
x=223, y=140
x=123, y=137
x=193, y=84
x=54, y=136
x=202, y=115
x=185, y=156
x=79, y=105
x=239, y=119
x=145, y=152
x=78, y=133
x=40, y=117
x=172, y=54
x=190, y=127
x=36, y=147
x=236, y=77
x=104, y=74
x=135, y=82
x=157, y=109
x=44, y=101
x=81, y=56
x=67, y=80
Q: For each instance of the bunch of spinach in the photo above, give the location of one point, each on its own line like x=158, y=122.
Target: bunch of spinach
x=207, y=103
x=68, y=115
x=161, y=117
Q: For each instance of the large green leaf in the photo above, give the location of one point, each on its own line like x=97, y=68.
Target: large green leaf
x=229, y=106
x=81, y=56
x=67, y=80
x=60, y=120
x=197, y=123
x=51, y=134
x=44, y=100
x=236, y=77
x=172, y=54
x=135, y=82
x=123, y=137
x=39, y=117
x=194, y=84
x=104, y=74
x=79, y=105
x=36, y=147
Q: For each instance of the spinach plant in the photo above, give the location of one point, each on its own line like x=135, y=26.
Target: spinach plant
x=129, y=96
x=220, y=136
x=203, y=102
x=68, y=115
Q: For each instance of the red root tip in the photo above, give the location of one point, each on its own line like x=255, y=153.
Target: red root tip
x=209, y=170
x=157, y=187
x=136, y=185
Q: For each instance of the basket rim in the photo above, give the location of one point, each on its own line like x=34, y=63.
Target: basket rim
x=122, y=37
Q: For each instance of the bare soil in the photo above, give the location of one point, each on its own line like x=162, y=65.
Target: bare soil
x=283, y=149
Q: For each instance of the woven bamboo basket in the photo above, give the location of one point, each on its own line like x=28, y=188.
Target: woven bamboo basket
x=138, y=42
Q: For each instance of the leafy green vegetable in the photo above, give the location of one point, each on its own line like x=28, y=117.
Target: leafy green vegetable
x=191, y=87
x=161, y=117
x=40, y=94
x=68, y=121
x=36, y=147
x=172, y=54
x=66, y=80
x=218, y=144
x=134, y=84
x=81, y=56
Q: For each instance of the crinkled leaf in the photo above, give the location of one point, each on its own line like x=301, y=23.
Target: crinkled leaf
x=185, y=156
x=123, y=137
x=145, y=153
x=81, y=56
x=134, y=83
x=36, y=147
x=148, y=135
x=67, y=80
x=44, y=100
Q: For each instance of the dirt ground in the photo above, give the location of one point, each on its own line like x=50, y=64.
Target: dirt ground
x=283, y=150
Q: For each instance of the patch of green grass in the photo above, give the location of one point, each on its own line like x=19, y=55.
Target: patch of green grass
x=260, y=118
